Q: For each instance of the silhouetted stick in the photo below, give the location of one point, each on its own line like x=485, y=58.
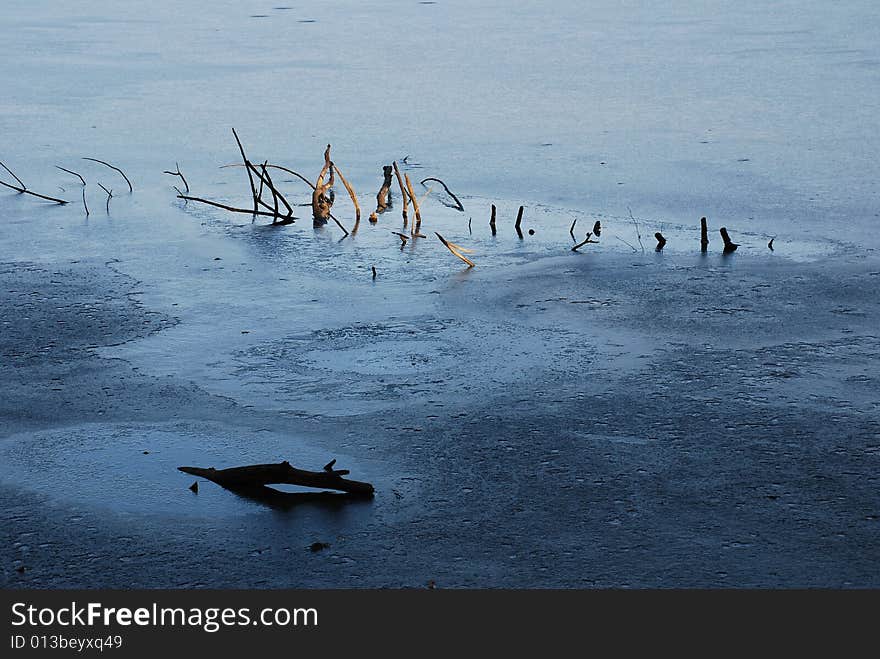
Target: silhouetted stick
x=519, y=215
x=248, y=170
x=597, y=228
x=470, y=231
x=492, y=220
x=403, y=192
x=661, y=242
x=383, y=198
x=403, y=238
x=354, y=199
x=85, y=205
x=267, y=474
x=456, y=249
x=571, y=230
x=178, y=173
x=71, y=172
x=415, y=202
x=276, y=194
x=22, y=189
x=585, y=241
x=704, y=235
x=231, y=209
x=114, y=168
x=448, y=191
x=279, y=167
x=109, y=195
x=729, y=245
x=373, y=268
x=770, y=244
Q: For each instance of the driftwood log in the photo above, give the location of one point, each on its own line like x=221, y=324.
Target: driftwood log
x=729, y=245
x=704, y=235
x=383, y=197
x=254, y=476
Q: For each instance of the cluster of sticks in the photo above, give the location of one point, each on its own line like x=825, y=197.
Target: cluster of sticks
x=21, y=188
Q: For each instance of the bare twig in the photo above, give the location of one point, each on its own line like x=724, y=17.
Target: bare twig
x=492, y=220
x=247, y=167
x=630, y=245
x=109, y=196
x=571, y=230
x=585, y=241
x=351, y=193
x=456, y=250
x=638, y=232
x=415, y=202
x=178, y=173
x=113, y=167
x=519, y=215
x=71, y=172
x=448, y=191
x=230, y=208
x=85, y=205
x=21, y=188
x=403, y=192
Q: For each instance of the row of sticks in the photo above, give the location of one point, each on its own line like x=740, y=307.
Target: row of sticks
x=270, y=202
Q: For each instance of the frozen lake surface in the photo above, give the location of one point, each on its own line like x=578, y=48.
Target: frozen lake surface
x=615, y=417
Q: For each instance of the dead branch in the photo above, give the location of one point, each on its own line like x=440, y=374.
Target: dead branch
x=770, y=244
x=585, y=241
x=321, y=200
x=71, y=172
x=266, y=179
x=415, y=202
x=247, y=167
x=630, y=245
x=383, y=197
x=232, y=209
x=351, y=193
x=403, y=192
x=21, y=188
x=661, y=242
x=269, y=474
x=114, y=168
x=403, y=238
x=448, y=191
x=704, y=235
x=492, y=220
x=456, y=250
x=85, y=205
x=109, y=196
x=571, y=230
x=519, y=215
x=178, y=173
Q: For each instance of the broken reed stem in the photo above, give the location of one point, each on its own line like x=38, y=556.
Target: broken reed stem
x=519, y=215
x=704, y=235
x=109, y=196
x=492, y=220
x=114, y=168
x=571, y=230
x=585, y=241
x=247, y=167
x=448, y=191
x=266, y=179
x=71, y=172
x=351, y=193
x=21, y=188
x=415, y=202
x=178, y=173
x=228, y=208
x=403, y=192
x=85, y=205
x=456, y=250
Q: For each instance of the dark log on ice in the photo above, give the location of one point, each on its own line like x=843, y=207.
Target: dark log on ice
x=729, y=245
x=704, y=235
x=283, y=473
x=661, y=241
